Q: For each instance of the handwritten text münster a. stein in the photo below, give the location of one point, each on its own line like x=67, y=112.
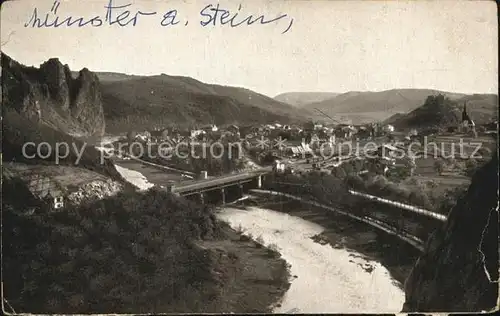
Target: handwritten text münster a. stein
x=124, y=15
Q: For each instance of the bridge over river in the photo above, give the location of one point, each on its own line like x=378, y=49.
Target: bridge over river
x=407, y=222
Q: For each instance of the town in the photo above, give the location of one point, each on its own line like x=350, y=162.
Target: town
x=314, y=146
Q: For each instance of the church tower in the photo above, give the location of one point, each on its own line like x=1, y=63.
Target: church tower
x=465, y=116
x=468, y=124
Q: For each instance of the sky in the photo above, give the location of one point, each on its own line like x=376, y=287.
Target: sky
x=331, y=46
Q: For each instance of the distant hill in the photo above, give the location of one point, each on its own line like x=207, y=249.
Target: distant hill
x=440, y=111
x=143, y=101
x=362, y=107
x=114, y=76
x=302, y=98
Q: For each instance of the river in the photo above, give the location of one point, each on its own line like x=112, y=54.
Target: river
x=328, y=280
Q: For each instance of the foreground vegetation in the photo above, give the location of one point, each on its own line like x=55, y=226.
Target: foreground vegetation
x=129, y=254
x=136, y=252
x=132, y=253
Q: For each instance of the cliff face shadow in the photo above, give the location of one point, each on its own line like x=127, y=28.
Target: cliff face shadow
x=458, y=271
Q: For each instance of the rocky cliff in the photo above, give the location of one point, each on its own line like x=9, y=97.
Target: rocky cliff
x=51, y=95
x=95, y=190
x=459, y=269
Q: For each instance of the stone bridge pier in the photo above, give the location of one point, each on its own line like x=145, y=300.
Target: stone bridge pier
x=257, y=182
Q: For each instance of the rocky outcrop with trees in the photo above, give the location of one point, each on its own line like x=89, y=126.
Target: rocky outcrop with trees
x=50, y=95
x=459, y=269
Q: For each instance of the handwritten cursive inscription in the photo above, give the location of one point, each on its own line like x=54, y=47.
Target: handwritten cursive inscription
x=214, y=15
x=123, y=15
x=52, y=19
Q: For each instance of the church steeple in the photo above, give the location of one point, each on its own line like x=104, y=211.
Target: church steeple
x=465, y=116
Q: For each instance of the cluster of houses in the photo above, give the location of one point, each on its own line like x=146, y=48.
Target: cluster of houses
x=157, y=135
x=309, y=130
x=300, y=140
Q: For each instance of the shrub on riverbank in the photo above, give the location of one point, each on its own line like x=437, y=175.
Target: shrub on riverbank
x=316, y=186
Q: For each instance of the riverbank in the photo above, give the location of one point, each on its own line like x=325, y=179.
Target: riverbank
x=254, y=278
x=342, y=232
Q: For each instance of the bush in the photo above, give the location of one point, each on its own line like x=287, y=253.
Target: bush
x=355, y=182
x=398, y=174
x=377, y=184
x=471, y=167
x=449, y=200
x=439, y=166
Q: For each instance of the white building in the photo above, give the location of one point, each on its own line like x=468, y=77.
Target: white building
x=331, y=139
x=54, y=199
x=196, y=132
x=317, y=127
x=278, y=166
x=389, y=128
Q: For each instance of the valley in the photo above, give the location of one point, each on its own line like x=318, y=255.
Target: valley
x=155, y=209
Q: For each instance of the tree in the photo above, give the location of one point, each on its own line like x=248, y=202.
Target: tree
x=131, y=136
x=439, y=166
x=470, y=167
x=164, y=134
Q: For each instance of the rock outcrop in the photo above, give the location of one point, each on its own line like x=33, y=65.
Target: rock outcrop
x=95, y=190
x=50, y=95
x=459, y=269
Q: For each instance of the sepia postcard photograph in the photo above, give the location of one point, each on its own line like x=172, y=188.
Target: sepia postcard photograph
x=262, y=156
